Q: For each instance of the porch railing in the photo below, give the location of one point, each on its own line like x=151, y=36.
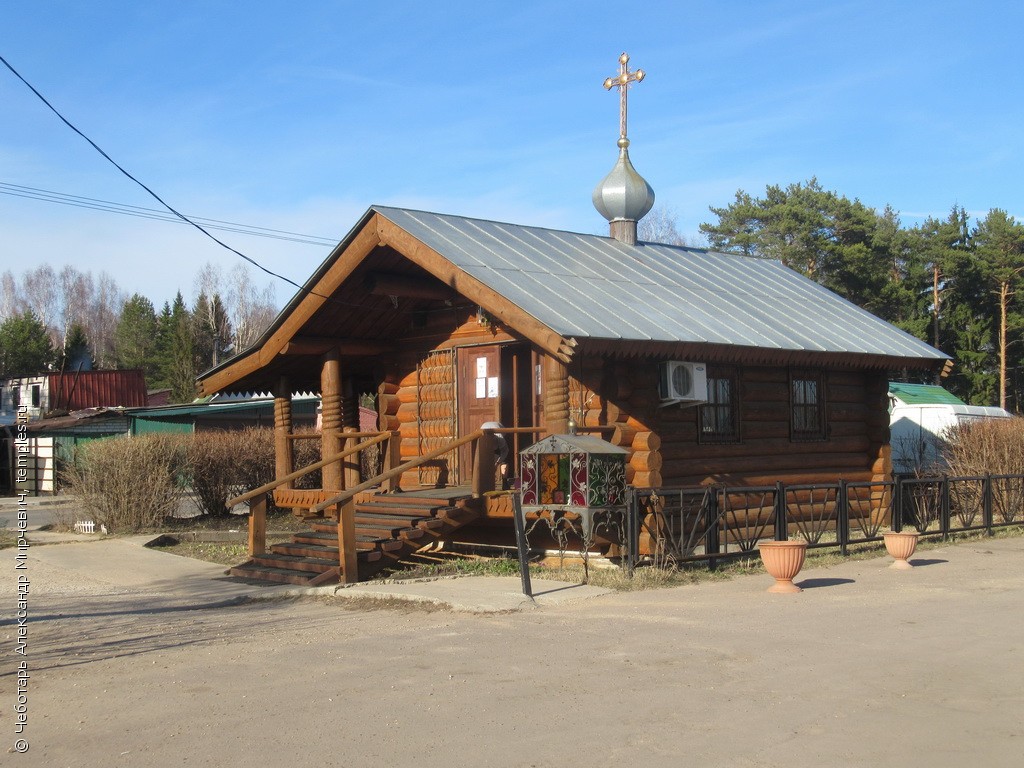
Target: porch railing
x=258, y=498
x=343, y=502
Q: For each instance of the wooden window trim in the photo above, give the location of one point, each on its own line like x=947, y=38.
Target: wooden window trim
x=706, y=432
x=819, y=432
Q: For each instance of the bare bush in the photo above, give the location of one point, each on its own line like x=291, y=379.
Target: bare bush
x=226, y=464
x=308, y=452
x=129, y=484
x=992, y=446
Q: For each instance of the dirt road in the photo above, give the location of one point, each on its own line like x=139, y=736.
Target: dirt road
x=868, y=666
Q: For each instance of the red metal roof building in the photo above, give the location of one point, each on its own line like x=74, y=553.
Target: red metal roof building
x=92, y=389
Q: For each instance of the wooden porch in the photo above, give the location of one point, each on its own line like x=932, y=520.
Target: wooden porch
x=356, y=532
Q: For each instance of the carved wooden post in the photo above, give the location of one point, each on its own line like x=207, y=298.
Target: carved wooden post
x=284, y=462
x=258, y=525
x=347, y=542
x=556, y=396
x=330, y=398
x=483, y=464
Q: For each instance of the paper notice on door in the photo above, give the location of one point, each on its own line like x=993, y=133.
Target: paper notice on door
x=481, y=367
x=492, y=386
x=481, y=388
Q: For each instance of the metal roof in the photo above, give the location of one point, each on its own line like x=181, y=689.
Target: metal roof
x=76, y=390
x=589, y=286
x=574, y=444
x=922, y=394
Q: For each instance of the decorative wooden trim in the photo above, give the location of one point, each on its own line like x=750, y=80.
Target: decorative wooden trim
x=623, y=349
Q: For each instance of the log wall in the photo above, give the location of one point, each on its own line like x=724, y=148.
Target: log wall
x=417, y=396
x=664, y=444
x=856, y=419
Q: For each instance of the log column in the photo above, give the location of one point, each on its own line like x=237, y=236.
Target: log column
x=556, y=396
x=330, y=399
x=284, y=462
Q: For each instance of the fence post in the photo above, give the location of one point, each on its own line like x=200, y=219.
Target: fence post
x=258, y=525
x=347, y=559
x=781, y=524
x=484, y=464
x=944, y=507
x=522, y=545
x=843, y=517
x=632, y=543
x=986, y=509
x=897, y=506
x=392, y=458
x=712, y=544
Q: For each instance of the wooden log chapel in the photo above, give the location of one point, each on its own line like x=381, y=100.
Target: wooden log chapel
x=705, y=367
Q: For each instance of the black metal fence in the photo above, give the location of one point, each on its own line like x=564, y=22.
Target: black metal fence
x=672, y=526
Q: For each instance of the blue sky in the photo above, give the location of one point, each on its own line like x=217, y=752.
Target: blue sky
x=298, y=116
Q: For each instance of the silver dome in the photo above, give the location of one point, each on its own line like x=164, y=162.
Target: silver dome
x=623, y=195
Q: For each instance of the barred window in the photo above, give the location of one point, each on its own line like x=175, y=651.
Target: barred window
x=719, y=416
x=807, y=405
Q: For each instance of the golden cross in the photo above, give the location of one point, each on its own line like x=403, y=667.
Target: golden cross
x=622, y=82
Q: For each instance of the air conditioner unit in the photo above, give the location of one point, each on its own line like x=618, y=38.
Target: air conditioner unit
x=683, y=383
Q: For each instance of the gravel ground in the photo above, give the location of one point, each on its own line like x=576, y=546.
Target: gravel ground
x=868, y=666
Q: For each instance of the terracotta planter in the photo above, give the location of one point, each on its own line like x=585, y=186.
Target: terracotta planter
x=901, y=546
x=783, y=560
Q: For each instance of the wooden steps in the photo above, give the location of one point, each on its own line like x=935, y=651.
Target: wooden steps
x=388, y=528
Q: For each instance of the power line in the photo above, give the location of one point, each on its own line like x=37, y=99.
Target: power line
x=151, y=193
x=78, y=201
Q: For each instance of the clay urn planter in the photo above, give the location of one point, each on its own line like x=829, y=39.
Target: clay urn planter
x=901, y=546
x=783, y=560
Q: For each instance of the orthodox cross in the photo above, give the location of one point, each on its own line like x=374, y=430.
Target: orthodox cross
x=622, y=82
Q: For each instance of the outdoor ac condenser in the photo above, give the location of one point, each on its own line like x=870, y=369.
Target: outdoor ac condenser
x=682, y=382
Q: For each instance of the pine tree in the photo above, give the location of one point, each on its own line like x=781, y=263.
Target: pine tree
x=182, y=374
x=25, y=346
x=76, y=354
x=999, y=241
x=135, y=336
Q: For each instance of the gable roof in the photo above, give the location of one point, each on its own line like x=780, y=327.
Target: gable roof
x=559, y=289
x=589, y=286
x=922, y=394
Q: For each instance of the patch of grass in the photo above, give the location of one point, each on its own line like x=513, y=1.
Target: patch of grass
x=281, y=521
x=458, y=566
x=7, y=539
x=220, y=552
x=212, y=552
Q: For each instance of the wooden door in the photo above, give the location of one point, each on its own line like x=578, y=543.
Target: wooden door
x=479, y=396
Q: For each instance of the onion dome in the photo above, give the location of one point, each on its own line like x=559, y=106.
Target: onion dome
x=623, y=195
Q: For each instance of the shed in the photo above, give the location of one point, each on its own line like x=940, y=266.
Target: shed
x=52, y=442
x=235, y=414
x=920, y=417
